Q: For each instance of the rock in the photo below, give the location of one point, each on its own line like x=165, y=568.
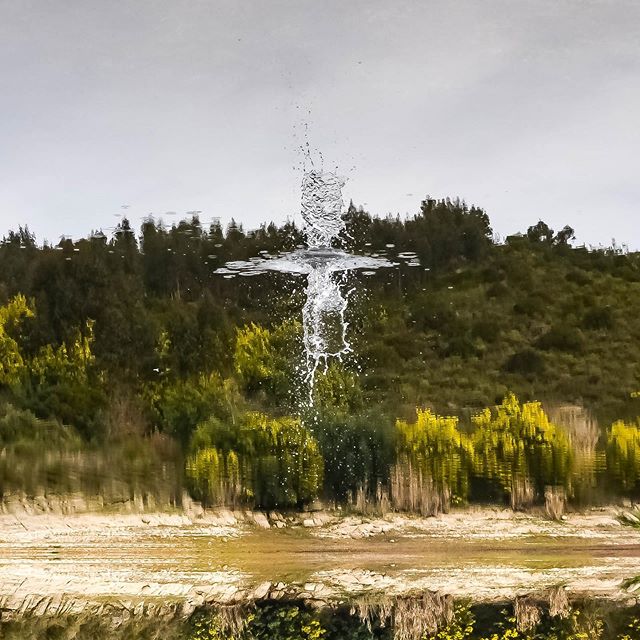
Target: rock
x=226, y=516
x=261, y=520
x=321, y=591
x=367, y=579
x=262, y=590
x=229, y=594
x=321, y=518
x=308, y=522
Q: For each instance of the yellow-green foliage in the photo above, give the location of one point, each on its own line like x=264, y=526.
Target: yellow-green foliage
x=623, y=453
x=508, y=630
x=284, y=622
x=212, y=627
x=272, y=622
x=578, y=625
x=632, y=631
x=434, y=446
x=509, y=634
x=216, y=477
x=12, y=364
x=254, y=354
x=519, y=440
x=67, y=361
x=178, y=406
x=288, y=465
x=203, y=469
x=53, y=364
x=264, y=359
x=337, y=389
x=513, y=440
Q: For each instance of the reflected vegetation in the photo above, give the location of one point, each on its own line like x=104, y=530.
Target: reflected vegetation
x=509, y=454
x=426, y=617
x=261, y=461
x=50, y=465
x=138, y=374
x=147, y=374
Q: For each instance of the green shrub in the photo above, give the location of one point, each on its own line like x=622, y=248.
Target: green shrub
x=527, y=362
x=267, y=462
x=598, y=318
x=562, y=338
x=22, y=426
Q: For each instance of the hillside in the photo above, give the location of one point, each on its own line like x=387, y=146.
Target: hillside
x=136, y=336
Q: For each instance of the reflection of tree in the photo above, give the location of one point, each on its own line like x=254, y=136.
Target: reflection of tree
x=584, y=432
x=264, y=461
x=514, y=445
x=623, y=454
x=433, y=463
x=519, y=442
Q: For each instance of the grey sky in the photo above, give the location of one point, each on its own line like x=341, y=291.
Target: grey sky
x=529, y=109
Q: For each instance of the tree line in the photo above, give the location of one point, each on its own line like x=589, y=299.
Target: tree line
x=134, y=337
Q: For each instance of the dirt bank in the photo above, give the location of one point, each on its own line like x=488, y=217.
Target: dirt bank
x=50, y=561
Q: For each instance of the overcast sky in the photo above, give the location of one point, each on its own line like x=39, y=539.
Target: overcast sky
x=529, y=109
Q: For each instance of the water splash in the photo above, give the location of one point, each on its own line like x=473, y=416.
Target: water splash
x=323, y=321
x=325, y=327
x=322, y=208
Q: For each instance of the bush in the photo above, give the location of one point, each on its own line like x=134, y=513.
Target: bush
x=518, y=443
x=463, y=346
x=527, y=362
x=22, y=426
x=266, y=462
x=562, y=338
x=623, y=454
x=579, y=277
x=180, y=406
x=487, y=330
x=357, y=450
x=598, y=318
x=45, y=456
x=434, y=460
x=73, y=402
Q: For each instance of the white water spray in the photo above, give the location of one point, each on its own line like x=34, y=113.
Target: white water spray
x=324, y=321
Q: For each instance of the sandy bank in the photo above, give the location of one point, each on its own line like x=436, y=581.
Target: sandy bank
x=50, y=561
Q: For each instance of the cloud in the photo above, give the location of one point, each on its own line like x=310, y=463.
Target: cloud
x=526, y=108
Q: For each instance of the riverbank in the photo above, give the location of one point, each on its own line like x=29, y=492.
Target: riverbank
x=52, y=562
